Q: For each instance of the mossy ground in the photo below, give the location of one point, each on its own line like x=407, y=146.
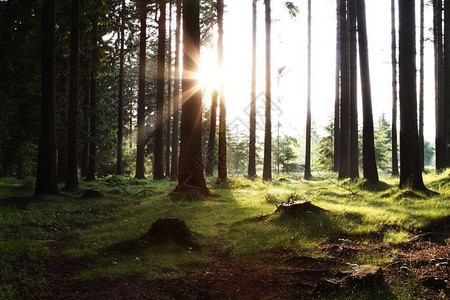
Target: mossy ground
x=94, y=239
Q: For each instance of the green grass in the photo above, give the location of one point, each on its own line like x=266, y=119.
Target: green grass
x=96, y=234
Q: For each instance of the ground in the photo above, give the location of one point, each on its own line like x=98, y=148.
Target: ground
x=67, y=246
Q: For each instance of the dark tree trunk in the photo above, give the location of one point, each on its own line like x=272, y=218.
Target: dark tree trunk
x=61, y=156
x=252, y=142
x=222, y=166
x=369, y=160
x=410, y=164
x=210, y=159
x=267, y=168
x=119, y=162
x=176, y=95
x=86, y=130
x=421, y=84
x=337, y=100
x=46, y=161
x=160, y=86
x=354, y=152
x=307, y=174
x=140, y=155
x=446, y=98
x=93, y=105
x=72, y=138
x=394, y=92
x=169, y=92
x=190, y=176
x=344, y=150
x=439, y=85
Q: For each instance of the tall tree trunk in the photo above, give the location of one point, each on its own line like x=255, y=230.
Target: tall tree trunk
x=222, y=167
x=119, y=162
x=176, y=95
x=160, y=86
x=61, y=145
x=267, y=168
x=394, y=92
x=86, y=129
x=72, y=138
x=169, y=92
x=93, y=105
x=140, y=155
x=354, y=152
x=252, y=142
x=190, y=176
x=439, y=85
x=210, y=159
x=307, y=174
x=446, y=98
x=410, y=165
x=46, y=161
x=344, y=150
x=369, y=160
x=421, y=84
x=337, y=96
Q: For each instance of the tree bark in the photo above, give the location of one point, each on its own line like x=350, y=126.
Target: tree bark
x=176, y=95
x=46, y=161
x=267, y=168
x=421, y=84
x=394, y=92
x=90, y=176
x=222, y=167
x=369, y=160
x=210, y=160
x=307, y=174
x=252, y=142
x=344, y=150
x=119, y=162
x=354, y=152
x=86, y=129
x=337, y=101
x=158, y=172
x=439, y=85
x=446, y=98
x=169, y=93
x=72, y=137
x=410, y=165
x=140, y=155
x=190, y=176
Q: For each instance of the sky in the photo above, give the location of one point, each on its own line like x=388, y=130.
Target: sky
x=289, y=51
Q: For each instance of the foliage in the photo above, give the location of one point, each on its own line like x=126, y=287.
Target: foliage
x=325, y=148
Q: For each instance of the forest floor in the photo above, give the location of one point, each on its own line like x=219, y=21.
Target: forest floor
x=69, y=246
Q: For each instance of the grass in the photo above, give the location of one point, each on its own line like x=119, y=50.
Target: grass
x=94, y=235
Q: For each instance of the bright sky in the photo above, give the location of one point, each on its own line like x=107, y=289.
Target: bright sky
x=289, y=42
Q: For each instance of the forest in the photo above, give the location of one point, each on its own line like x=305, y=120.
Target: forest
x=224, y=149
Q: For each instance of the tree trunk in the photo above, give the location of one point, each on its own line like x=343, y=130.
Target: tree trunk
x=354, y=152
x=410, y=165
x=190, y=176
x=169, y=92
x=369, y=160
x=72, y=138
x=86, y=129
x=61, y=145
x=344, y=150
x=176, y=95
x=337, y=101
x=446, y=98
x=421, y=84
x=222, y=167
x=210, y=160
x=140, y=155
x=119, y=162
x=160, y=86
x=439, y=85
x=46, y=161
x=307, y=174
x=267, y=168
x=93, y=105
x=394, y=92
x=252, y=142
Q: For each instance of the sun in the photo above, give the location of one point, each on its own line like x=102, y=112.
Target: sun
x=209, y=76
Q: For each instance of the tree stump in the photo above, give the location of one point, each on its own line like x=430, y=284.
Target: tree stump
x=366, y=277
x=169, y=230
x=91, y=194
x=298, y=208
